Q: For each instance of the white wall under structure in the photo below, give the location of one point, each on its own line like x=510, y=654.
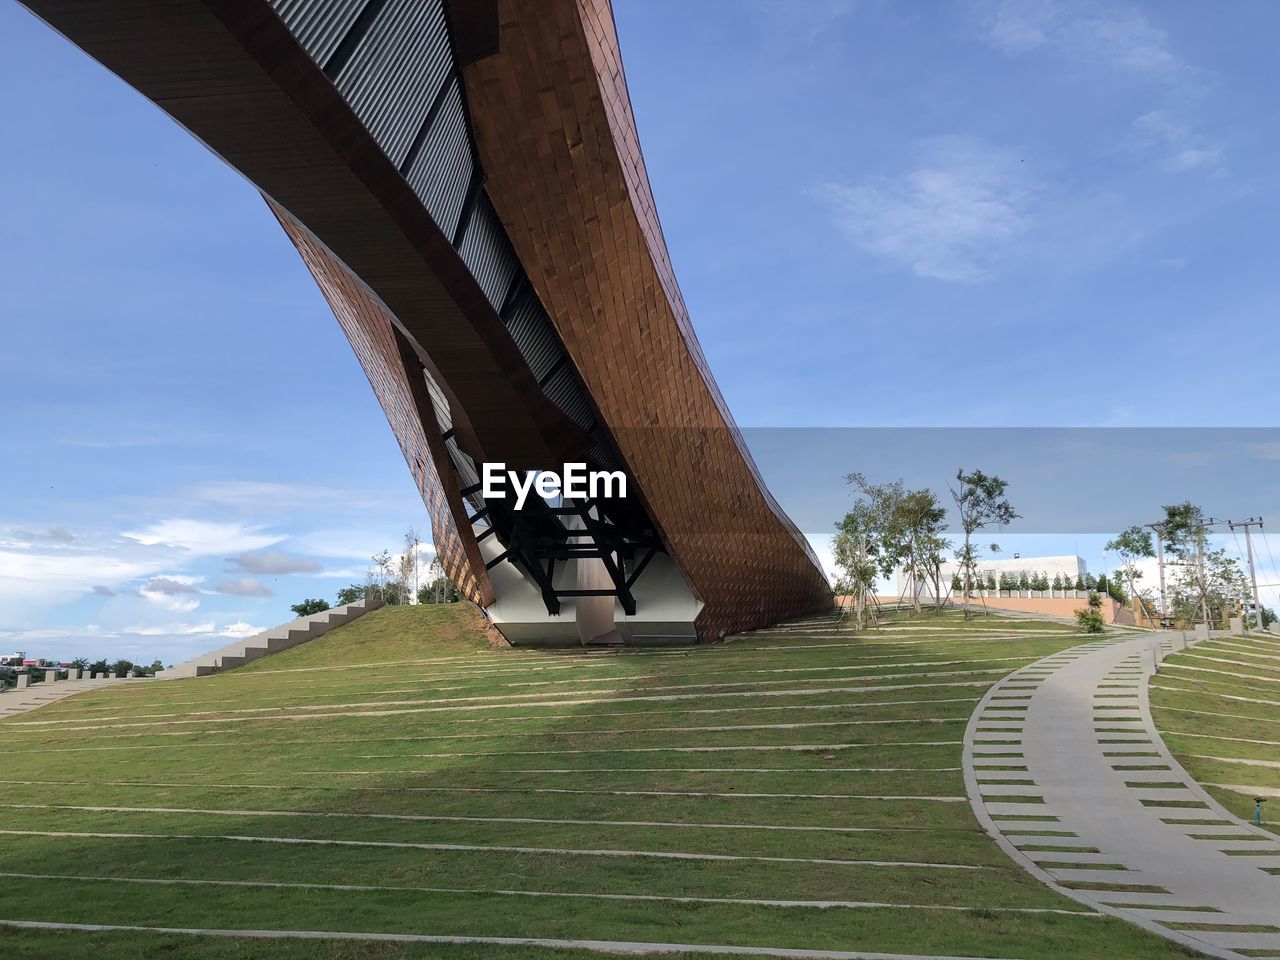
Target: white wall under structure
x=1066, y=565
x=665, y=606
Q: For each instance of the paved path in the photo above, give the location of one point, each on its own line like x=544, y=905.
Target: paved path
x=1065, y=769
x=15, y=701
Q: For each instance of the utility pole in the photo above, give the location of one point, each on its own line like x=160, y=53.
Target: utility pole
x=1253, y=572
x=1159, y=529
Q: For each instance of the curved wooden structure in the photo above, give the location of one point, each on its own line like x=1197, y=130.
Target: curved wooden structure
x=464, y=180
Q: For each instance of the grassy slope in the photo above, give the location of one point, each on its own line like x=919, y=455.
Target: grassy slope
x=441, y=740
x=1208, y=717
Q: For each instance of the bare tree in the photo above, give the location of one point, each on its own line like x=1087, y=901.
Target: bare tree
x=382, y=563
x=409, y=567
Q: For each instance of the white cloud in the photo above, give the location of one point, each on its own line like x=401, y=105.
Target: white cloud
x=169, y=586
x=951, y=218
x=1087, y=31
x=239, y=630
x=170, y=629
x=173, y=593
x=1181, y=148
x=53, y=534
x=261, y=495
x=351, y=544
x=35, y=577
x=273, y=563
x=243, y=587
x=203, y=537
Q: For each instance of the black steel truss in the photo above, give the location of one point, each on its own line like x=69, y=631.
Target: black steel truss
x=540, y=536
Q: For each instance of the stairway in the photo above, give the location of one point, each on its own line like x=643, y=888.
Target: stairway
x=269, y=641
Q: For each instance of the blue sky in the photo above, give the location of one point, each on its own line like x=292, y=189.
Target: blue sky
x=1032, y=213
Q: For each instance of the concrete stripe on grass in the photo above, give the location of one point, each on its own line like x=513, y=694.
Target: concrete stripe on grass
x=683, y=711
x=491, y=848
x=598, y=946
x=785, y=748
x=481, y=891
x=450, y=818
x=559, y=703
x=531, y=699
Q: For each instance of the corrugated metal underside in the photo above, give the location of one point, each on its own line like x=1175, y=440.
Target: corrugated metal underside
x=393, y=64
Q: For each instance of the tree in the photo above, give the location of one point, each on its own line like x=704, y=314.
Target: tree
x=309, y=607
x=1057, y=581
x=857, y=540
x=991, y=580
x=381, y=564
x=351, y=594
x=408, y=566
x=903, y=528
x=1131, y=545
x=1024, y=581
x=1208, y=584
x=439, y=590
x=1079, y=582
x=393, y=592
x=1090, y=618
x=918, y=521
x=981, y=503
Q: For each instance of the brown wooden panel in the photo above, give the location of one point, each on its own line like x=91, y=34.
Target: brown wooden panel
x=553, y=124
x=395, y=374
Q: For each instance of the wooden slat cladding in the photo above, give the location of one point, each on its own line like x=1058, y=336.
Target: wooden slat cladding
x=397, y=379
x=554, y=129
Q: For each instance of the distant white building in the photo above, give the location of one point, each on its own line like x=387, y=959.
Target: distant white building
x=1067, y=566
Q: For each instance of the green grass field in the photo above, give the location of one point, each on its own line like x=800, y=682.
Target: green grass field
x=1217, y=706
x=792, y=789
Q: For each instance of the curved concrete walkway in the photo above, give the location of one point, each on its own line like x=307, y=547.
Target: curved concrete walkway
x=1065, y=769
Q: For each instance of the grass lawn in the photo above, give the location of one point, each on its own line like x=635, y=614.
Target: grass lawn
x=1217, y=706
x=796, y=789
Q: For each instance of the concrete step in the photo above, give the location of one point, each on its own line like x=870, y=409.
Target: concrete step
x=275, y=640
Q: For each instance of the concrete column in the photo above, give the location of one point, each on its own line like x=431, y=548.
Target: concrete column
x=1274, y=627
x=24, y=680
x=1237, y=624
x=1202, y=632
x=130, y=675
x=1148, y=661
x=73, y=673
x=1179, y=641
